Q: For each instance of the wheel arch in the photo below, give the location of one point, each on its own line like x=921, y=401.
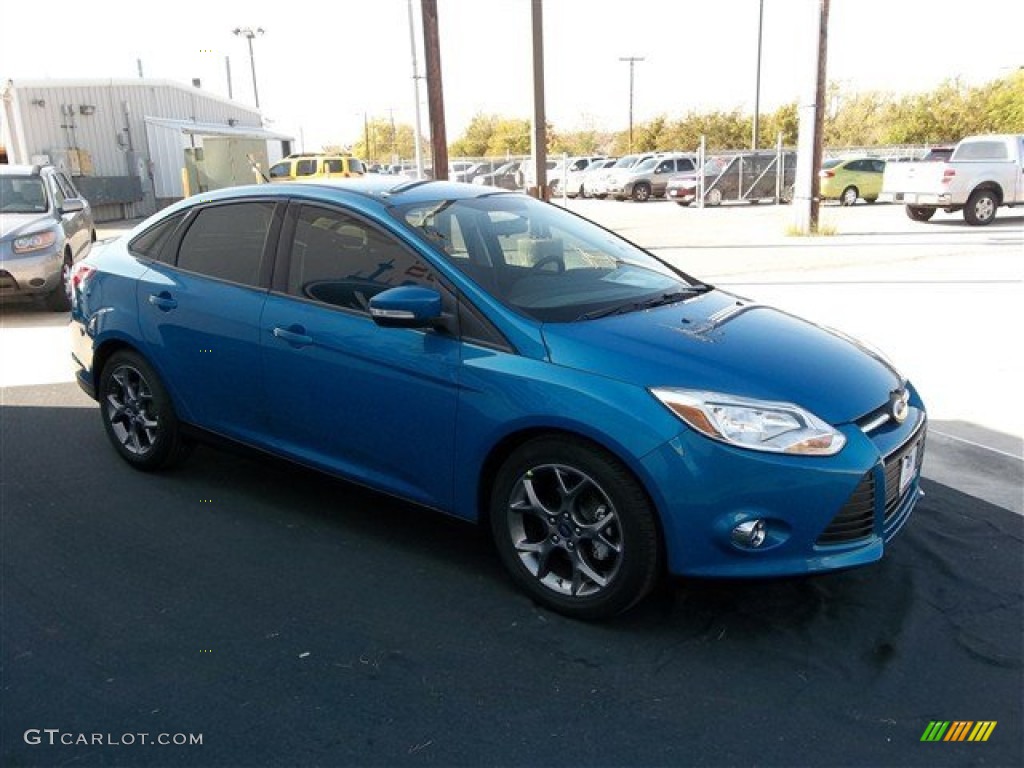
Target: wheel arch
x=989, y=186
x=504, y=448
x=110, y=346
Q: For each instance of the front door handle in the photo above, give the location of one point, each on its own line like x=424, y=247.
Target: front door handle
x=163, y=301
x=294, y=335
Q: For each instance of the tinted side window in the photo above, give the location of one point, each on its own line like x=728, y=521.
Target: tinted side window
x=305, y=167
x=150, y=243
x=280, y=170
x=684, y=164
x=227, y=242
x=982, y=150
x=334, y=165
x=356, y=166
x=340, y=260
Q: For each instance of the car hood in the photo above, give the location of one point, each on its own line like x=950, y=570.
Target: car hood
x=13, y=224
x=721, y=343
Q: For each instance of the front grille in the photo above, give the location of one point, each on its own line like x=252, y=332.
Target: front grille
x=893, y=497
x=856, y=520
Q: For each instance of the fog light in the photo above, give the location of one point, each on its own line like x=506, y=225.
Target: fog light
x=750, y=534
x=37, y=282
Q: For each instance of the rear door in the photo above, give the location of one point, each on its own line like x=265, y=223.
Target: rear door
x=344, y=394
x=201, y=314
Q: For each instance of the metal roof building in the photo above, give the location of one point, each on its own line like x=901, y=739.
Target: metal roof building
x=134, y=146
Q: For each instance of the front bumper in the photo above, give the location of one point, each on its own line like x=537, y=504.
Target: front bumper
x=33, y=274
x=820, y=513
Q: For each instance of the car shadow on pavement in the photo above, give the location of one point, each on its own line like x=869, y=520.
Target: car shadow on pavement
x=340, y=626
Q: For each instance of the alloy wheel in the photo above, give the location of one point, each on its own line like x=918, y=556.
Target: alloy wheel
x=565, y=530
x=130, y=411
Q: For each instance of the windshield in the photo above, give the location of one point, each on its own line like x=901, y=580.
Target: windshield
x=647, y=164
x=831, y=163
x=22, y=194
x=541, y=260
x=625, y=162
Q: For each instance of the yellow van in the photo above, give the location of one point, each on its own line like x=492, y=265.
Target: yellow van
x=308, y=167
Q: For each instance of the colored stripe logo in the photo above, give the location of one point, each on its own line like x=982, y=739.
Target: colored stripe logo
x=958, y=730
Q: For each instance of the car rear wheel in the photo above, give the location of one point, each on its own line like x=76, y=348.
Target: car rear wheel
x=917, y=213
x=981, y=208
x=138, y=415
x=714, y=197
x=574, y=528
x=849, y=196
x=642, y=192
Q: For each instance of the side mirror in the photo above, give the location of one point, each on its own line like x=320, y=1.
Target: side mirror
x=73, y=205
x=407, y=306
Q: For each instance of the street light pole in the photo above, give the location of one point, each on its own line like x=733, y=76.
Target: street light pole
x=632, y=61
x=249, y=33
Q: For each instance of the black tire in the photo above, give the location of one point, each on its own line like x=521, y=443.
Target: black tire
x=138, y=415
x=870, y=200
x=574, y=528
x=917, y=213
x=849, y=196
x=641, y=192
x=59, y=299
x=981, y=207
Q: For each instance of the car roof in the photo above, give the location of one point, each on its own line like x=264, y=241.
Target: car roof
x=383, y=190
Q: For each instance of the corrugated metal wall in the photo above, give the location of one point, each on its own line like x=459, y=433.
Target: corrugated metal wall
x=52, y=119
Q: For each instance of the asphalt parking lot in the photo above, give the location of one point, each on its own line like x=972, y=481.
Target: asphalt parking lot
x=293, y=619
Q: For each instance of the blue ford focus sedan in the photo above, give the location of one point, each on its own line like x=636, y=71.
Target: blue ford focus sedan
x=608, y=417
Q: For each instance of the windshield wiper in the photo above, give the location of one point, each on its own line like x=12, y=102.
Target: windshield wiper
x=673, y=297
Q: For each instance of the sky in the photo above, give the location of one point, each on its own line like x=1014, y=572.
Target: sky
x=322, y=67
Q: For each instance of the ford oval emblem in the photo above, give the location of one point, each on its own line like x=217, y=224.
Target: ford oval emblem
x=898, y=404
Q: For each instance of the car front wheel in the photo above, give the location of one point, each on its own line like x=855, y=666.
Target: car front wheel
x=642, y=193
x=59, y=300
x=574, y=528
x=849, y=196
x=138, y=415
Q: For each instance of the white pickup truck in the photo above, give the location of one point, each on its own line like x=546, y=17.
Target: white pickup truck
x=982, y=174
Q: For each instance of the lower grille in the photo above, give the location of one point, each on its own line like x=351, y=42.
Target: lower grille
x=856, y=520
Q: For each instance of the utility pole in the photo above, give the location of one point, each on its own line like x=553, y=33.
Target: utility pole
x=416, y=96
x=540, y=141
x=435, y=91
x=807, y=191
x=819, y=114
x=757, y=79
x=632, y=62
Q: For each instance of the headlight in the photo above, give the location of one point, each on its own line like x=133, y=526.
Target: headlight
x=759, y=425
x=34, y=242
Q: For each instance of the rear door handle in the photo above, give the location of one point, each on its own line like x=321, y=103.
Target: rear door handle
x=163, y=301
x=294, y=335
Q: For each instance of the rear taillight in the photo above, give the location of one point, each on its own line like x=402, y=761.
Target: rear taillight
x=827, y=174
x=81, y=276
x=947, y=175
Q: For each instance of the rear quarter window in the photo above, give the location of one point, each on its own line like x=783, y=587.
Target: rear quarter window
x=981, y=150
x=227, y=242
